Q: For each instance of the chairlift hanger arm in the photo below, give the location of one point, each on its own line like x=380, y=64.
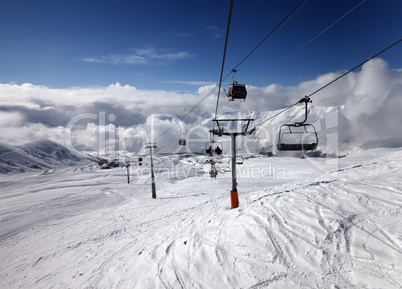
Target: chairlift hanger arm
x=234, y=71
x=306, y=100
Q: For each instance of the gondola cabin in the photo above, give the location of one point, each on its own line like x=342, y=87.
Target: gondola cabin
x=182, y=142
x=237, y=92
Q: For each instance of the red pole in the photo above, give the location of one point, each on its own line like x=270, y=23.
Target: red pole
x=234, y=199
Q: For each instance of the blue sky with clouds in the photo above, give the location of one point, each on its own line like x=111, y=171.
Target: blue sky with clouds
x=178, y=45
x=79, y=62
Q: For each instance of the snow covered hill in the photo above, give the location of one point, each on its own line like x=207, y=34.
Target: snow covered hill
x=37, y=155
x=302, y=223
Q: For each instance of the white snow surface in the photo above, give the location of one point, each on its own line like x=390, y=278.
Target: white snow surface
x=301, y=223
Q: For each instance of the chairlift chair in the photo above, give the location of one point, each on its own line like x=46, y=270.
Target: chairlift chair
x=212, y=148
x=297, y=143
x=213, y=171
x=294, y=142
x=239, y=160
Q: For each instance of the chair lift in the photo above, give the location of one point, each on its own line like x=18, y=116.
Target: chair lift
x=213, y=171
x=236, y=91
x=239, y=159
x=213, y=147
x=295, y=143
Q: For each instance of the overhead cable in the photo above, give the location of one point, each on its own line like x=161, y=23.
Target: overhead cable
x=191, y=110
x=224, y=56
x=357, y=66
x=329, y=83
x=241, y=63
x=270, y=35
x=307, y=43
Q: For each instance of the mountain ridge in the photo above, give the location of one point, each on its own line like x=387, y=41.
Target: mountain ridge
x=40, y=154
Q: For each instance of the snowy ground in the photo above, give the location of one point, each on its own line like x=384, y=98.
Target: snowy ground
x=302, y=223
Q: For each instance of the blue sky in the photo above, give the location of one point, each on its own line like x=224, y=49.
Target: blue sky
x=178, y=45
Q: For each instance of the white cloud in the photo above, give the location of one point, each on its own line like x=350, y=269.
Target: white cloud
x=194, y=82
x=215, y=30
x=369, y=102
x=28, y=111
x=94, y=60
x=150, y=55
x=11, y=119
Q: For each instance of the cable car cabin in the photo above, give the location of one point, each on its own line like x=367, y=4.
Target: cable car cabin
x=182, y=142
x=297, y=137
x=237, y=92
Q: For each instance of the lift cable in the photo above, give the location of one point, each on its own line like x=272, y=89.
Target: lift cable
x=307, y=43
x=275, y=115
x=191, y=110
x=277, y=28
x=220, y=81
x=224, y=56
x=241, y=63
x=339, y=77
x=307, y=97
x=263, y=42
x=254, y=51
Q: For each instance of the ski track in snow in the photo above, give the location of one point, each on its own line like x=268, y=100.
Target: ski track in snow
x=321, y=226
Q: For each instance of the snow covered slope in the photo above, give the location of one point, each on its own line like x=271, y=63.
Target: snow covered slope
x=37, y=155
x=302, y=223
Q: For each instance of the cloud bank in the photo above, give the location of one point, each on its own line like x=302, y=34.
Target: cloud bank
x=122, y=117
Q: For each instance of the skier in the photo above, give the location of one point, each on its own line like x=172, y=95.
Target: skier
x=209, y=151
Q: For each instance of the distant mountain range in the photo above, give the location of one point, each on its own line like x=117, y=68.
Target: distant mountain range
x=41, y=154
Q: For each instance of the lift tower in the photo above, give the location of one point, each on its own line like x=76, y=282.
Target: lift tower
x=234, y=198
x=151, y=146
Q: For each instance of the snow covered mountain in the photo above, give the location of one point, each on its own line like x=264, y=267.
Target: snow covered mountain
x=41, y=154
